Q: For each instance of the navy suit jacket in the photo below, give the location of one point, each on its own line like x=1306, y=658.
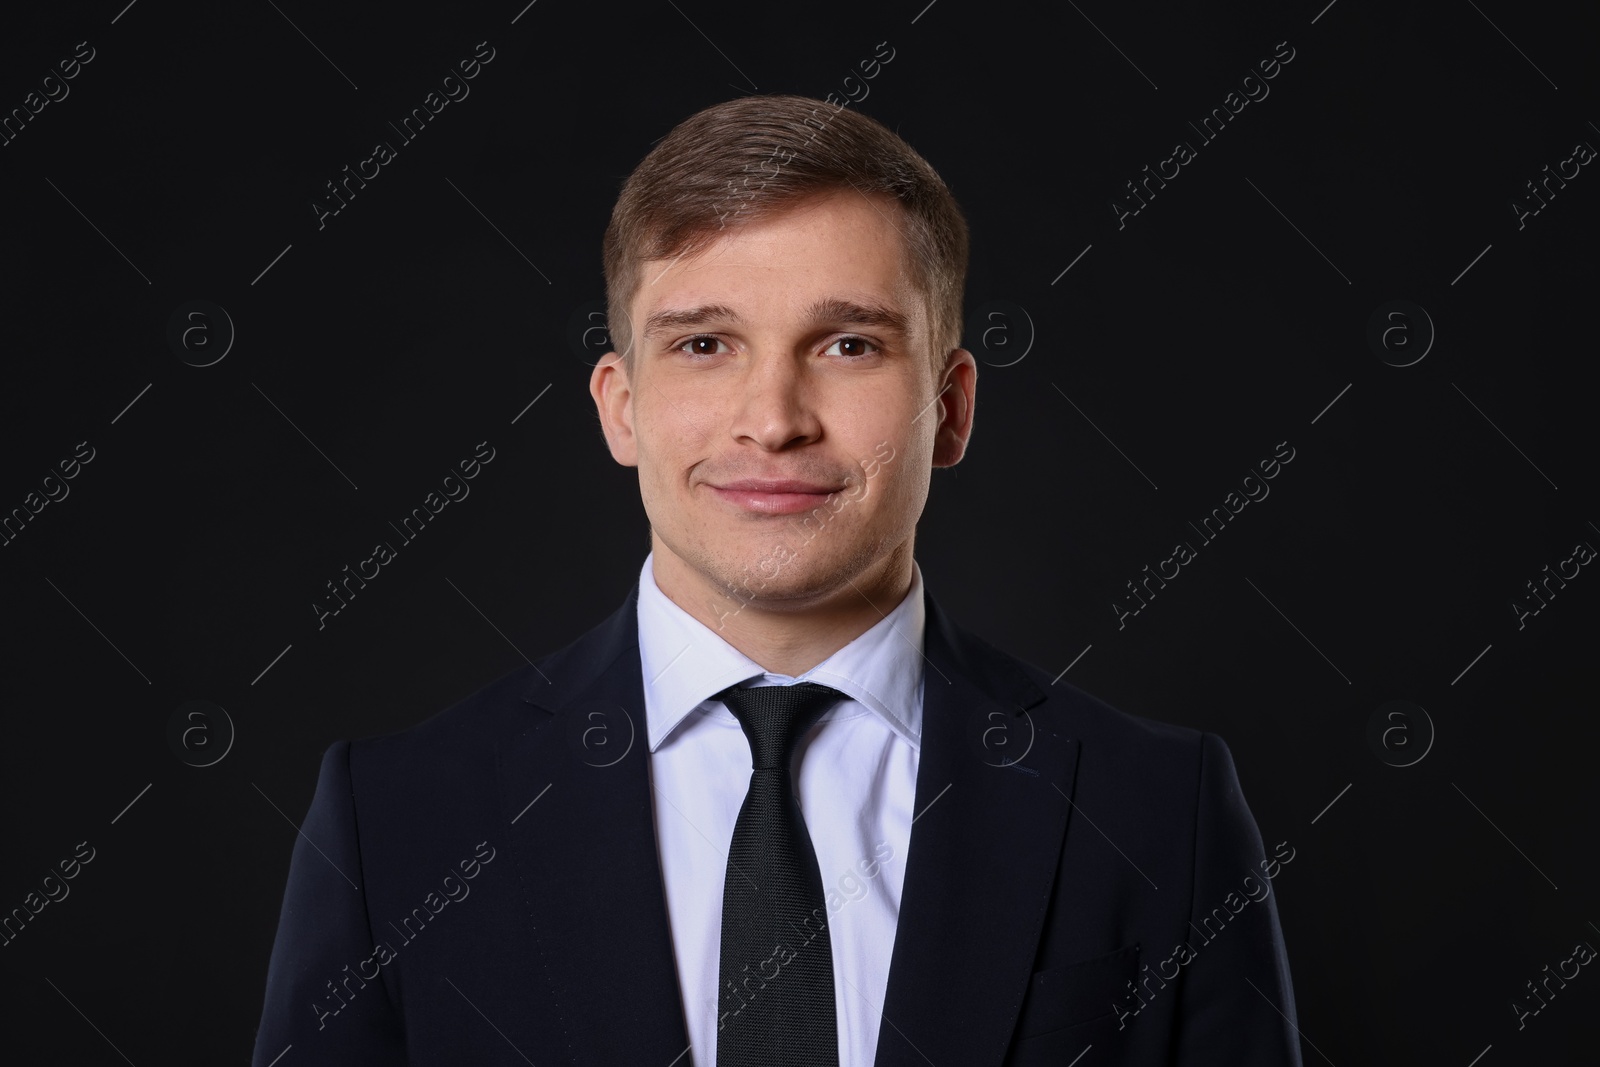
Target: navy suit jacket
x=1082, y=886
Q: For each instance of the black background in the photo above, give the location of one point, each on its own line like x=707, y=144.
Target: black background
x=1222, y=319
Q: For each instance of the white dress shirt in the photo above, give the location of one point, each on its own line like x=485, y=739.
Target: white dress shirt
x=856, y=783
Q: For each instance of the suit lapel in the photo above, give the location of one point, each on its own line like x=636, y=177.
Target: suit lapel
x=992, y=800
x=576, y=795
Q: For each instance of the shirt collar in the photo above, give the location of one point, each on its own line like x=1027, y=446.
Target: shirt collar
x=684, y=663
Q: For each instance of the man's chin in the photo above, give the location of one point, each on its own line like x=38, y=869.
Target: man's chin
x=753, y=584
x=762, y=582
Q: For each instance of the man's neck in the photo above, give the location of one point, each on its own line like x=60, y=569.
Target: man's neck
x=789, y=636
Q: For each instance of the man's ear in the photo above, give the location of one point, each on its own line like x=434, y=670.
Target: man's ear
x=956, y=401
x=613, y=400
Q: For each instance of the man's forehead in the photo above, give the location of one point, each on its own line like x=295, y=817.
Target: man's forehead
x=864, y=218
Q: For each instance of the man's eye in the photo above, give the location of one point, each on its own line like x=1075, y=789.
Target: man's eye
x=700, y=345
x=850, y=347
x=860, y=346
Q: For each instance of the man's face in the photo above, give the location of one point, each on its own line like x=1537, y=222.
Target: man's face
x=790, y=350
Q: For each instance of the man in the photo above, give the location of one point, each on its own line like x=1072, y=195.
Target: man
x=779, y=808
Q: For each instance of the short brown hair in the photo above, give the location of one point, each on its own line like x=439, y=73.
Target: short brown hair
x=751, y=158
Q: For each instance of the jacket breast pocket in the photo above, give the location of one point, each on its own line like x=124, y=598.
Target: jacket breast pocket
x=1073, y=993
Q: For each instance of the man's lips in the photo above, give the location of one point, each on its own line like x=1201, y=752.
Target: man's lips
x=779, y=485
x=774, y=496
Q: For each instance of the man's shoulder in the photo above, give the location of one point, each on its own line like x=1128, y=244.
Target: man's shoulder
x=464, y=736
x=1076, y=707
x=460, y=739
x=1106, y=732
x=1134, y=771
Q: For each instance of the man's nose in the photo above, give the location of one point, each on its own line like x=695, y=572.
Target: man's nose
x=775, y=402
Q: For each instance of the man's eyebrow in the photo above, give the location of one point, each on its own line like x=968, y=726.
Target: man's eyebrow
x=829, y=310
x=688, y=318
x=850, y=313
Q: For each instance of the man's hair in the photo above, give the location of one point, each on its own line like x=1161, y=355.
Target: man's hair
x=752, y=158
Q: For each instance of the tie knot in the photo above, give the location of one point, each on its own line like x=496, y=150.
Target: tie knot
x=775, y=717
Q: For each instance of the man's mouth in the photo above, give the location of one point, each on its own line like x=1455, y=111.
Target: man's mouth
x=774, y=496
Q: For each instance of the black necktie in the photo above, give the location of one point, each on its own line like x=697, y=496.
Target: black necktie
x=775, y=1003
